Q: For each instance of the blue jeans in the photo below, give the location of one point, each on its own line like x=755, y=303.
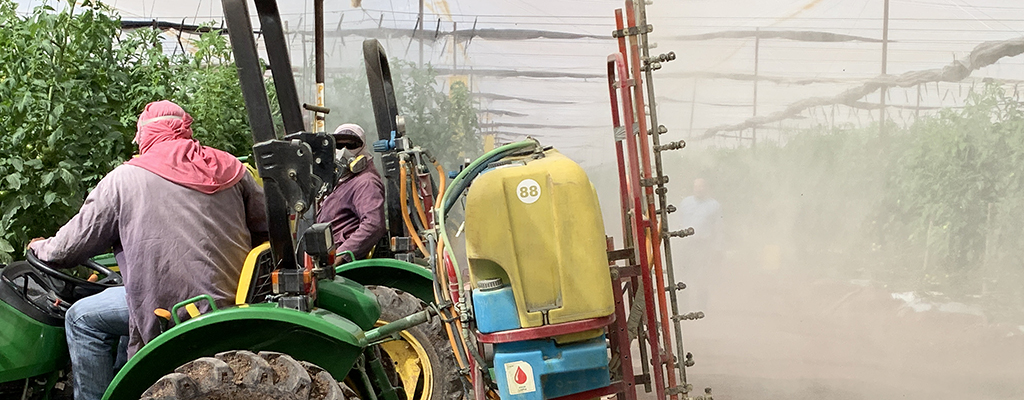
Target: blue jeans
x=97, y=330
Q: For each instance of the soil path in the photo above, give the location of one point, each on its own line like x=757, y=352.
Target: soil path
x=777, y=335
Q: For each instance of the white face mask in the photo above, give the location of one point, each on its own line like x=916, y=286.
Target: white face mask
x=342, y=155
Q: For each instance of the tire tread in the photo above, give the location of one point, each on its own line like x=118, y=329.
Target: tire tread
x=240, y=374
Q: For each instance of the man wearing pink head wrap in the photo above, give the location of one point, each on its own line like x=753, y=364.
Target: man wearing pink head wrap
x=166, y=148
x=180, y=218
x=355, y=209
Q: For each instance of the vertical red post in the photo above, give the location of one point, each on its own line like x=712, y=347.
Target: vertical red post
x=625, y=190
x=619, y=157
x=619, y=337
x=641, y=228
x=479, y=390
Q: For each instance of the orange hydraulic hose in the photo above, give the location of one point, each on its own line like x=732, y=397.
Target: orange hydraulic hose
x=419, y=207
x=440, y=177
x=444, y=313
x=440, y=248
x=451, y=339
x=404, y=199
x=441, y=275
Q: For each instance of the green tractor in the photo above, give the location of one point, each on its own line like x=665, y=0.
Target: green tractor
x=300, y=326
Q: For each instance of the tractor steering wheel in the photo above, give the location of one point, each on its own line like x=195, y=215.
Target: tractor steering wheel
x=111, y=279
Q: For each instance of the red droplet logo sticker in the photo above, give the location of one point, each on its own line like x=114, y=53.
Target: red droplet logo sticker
x=519, y=376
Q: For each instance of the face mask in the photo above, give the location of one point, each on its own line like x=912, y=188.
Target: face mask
x=349, y=166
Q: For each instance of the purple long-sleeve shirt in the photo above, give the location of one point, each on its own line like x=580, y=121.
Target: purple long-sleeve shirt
x=172, y=243
x=355, y=210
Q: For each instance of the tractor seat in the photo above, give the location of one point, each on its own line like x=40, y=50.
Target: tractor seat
x=254, y=283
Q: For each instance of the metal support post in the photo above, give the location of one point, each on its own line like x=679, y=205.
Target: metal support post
x=318, y=48
x=885, y=54
x=757, y=53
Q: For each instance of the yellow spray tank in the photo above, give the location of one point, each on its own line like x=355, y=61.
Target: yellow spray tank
x=534, y=222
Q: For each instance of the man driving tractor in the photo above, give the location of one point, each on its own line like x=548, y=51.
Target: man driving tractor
x=355, y=209
x=180, y=217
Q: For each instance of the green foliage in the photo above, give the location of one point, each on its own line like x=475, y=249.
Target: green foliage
x=931, y=207
x=204, y=83
x=72, y=86
x=444, y=123
x=207, y=85
x=63, y=93
x=960, y=174
x=71, y=89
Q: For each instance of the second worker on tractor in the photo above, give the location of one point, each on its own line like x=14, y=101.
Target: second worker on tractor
x=355, y=209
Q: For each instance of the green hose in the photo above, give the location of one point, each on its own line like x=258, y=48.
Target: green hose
x=485, y=159
x=499, y=152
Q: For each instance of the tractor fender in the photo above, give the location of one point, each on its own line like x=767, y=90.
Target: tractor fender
x=401, y=275
x=350, y=300
x=320, y=337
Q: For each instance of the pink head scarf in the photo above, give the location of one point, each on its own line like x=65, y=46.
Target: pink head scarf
x=166, y=148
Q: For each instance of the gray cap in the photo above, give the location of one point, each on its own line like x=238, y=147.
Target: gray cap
x=490, y=284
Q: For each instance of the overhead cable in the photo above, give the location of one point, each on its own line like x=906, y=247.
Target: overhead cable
x=983, y=55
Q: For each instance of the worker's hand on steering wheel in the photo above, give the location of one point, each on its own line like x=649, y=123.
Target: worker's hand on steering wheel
x=110, y=279
x=33, y=241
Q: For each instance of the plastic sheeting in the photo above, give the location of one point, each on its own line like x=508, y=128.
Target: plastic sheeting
x=983, y=55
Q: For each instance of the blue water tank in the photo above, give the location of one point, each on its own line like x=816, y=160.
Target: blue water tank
x=494, y=307
x=540, y=369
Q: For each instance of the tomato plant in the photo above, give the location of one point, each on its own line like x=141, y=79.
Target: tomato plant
x=443, y=121
x=71, y=88
x=72, y=85
x=937, y=206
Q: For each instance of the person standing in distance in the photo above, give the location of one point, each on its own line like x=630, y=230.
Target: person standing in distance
x=701, y=253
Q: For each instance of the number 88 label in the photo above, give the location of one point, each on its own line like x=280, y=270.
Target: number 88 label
x=528, y=191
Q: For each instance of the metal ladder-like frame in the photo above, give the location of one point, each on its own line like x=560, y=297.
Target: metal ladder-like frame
x=646, y=244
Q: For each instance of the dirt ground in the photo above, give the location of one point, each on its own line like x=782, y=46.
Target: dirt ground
x=778, y=335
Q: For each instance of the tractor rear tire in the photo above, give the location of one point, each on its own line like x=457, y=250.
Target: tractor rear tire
x=429, y=340
x=241, y=375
